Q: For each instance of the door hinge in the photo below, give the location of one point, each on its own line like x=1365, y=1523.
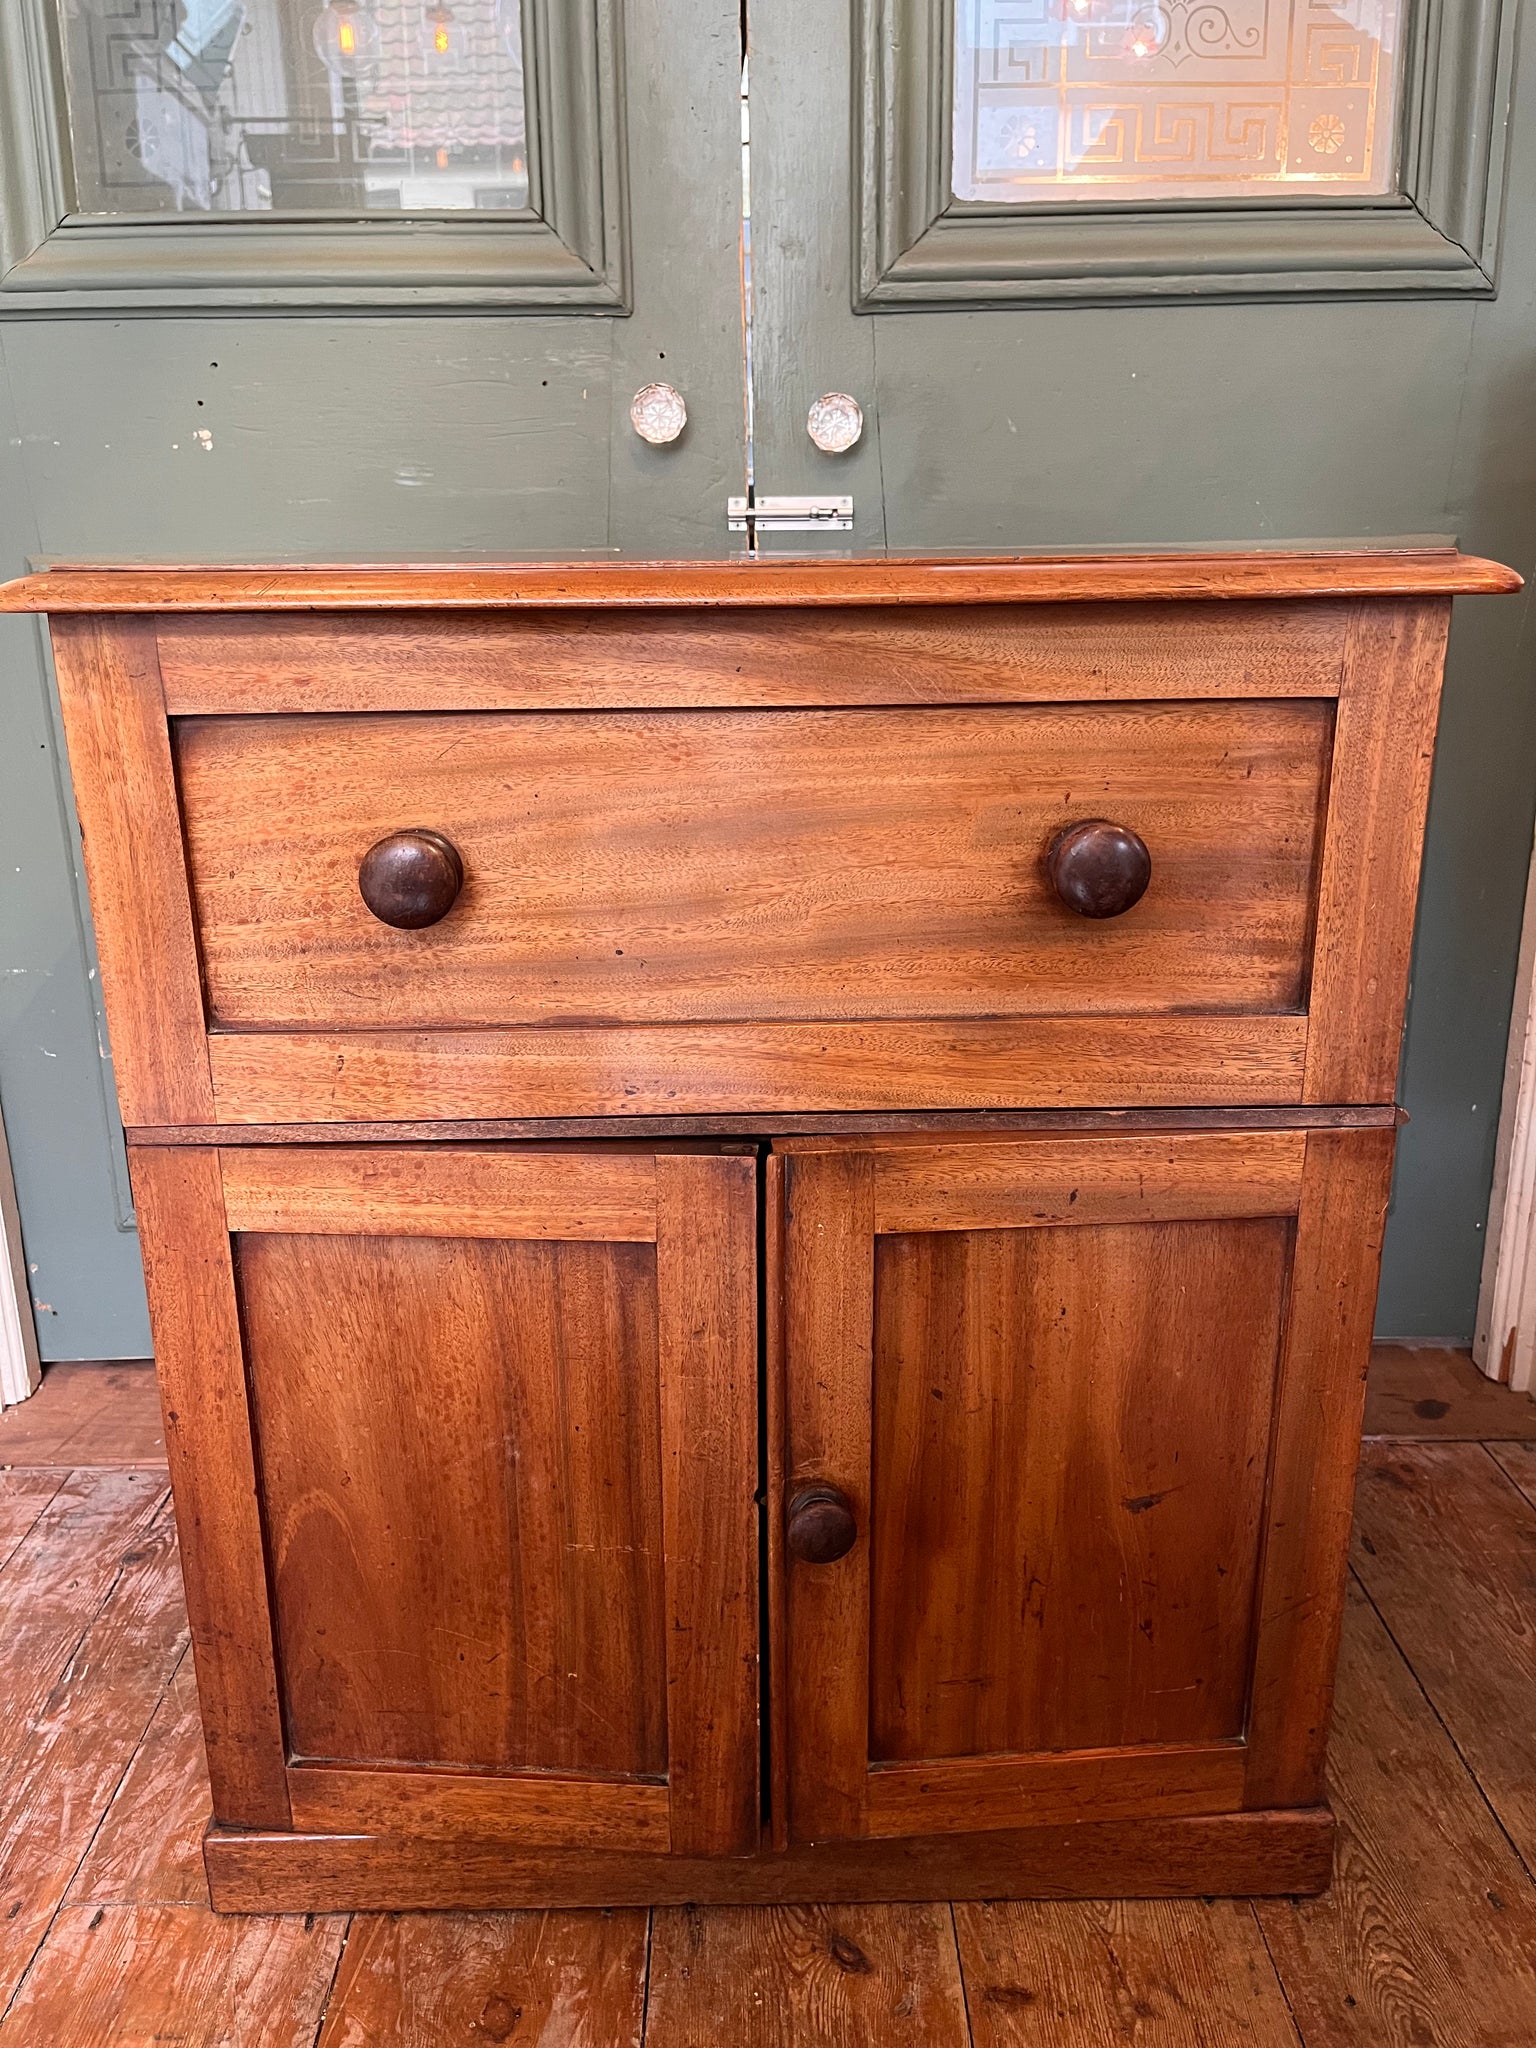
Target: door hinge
x=789, y=515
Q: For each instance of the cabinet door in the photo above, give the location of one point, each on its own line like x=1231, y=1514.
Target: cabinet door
x=466, y=1484
x=1068, y=1434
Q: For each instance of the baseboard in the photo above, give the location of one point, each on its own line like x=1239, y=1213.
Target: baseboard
x=1238, y=1855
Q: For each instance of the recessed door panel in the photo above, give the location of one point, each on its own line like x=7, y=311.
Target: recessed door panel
x=460, y=1444
x=1070, y=1435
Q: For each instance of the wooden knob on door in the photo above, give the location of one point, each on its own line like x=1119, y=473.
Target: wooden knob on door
x=820, y=1526
x=1099, y=869
x=411, y=879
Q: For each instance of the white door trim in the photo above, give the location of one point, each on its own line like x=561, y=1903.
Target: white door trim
x=20, y=1369
x=1504, y=1340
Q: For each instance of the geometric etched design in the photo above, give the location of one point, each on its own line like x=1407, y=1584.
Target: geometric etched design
x=296, y=106
x=1163, y=99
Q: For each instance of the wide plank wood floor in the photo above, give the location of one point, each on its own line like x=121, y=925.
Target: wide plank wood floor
x=1427, y=1939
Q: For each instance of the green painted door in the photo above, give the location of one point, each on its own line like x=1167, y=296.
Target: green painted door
x=288, y=281
x=1217, y=275
x=379, y=279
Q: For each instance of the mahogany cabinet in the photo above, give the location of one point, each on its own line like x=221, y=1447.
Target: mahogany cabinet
x=761, y=1187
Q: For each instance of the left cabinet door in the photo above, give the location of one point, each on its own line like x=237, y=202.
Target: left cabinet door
x=463, y=1440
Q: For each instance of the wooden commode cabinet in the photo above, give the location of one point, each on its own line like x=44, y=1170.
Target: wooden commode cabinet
x=761, y=1186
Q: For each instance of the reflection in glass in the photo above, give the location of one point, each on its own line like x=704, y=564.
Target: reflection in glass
x=285, y=106
x=1174, y=99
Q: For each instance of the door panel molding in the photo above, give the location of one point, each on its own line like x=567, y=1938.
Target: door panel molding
x=566, y=252
x=918, y=247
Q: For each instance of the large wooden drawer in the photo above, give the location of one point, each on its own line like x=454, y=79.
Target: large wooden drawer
x=669, y=867
x=730, y=865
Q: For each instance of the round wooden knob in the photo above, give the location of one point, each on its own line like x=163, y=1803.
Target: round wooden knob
x=1099, y=869
x=411, y=879
x=820, y=1527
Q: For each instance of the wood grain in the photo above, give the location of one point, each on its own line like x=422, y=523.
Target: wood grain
x=706, y=1285
x=1428, y=1932
x=536, y=1808
x=650, y=867
x=119, y=1976
x=743, y=1069
x=466, y=1556
x=1446, y=1548
x=1383, y=751
x=1518, y=1463
x=516, y=1980
x=68, y=1755
x=148, y=1849
x=763, y=579
x=56, y=1579
x=1087, y=1180
x=1283, y=1852
x=531, y=661
x=971, y=1794
x=1071, y=1436
x=828, y=1294
x=1433, y=1391
x=781, y=1977
x=125, y=791
x=1326, y=1355
x=23, y=1497
x=200, y=1359
x=1187, y=1974
x=442, y=1191
x=88, y=1413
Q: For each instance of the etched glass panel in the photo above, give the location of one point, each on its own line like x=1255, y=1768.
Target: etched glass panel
x=296, y=106
x=1174, y=99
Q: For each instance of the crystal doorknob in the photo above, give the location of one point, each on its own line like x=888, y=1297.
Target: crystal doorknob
x=835, y=422
x=657, y=413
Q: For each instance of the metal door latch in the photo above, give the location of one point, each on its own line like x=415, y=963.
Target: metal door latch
x=789, y=515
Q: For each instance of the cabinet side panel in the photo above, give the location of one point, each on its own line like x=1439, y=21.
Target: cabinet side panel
x=125, y=788
x=1325, y=1355
x=198, y=1356
x=1378, y=796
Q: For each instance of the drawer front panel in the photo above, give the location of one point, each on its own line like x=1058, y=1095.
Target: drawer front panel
x=736, y=866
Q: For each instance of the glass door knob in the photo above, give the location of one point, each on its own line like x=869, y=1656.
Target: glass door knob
x=835, y=422
x=657, y=413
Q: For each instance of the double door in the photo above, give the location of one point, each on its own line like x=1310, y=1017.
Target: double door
x=997, y=1478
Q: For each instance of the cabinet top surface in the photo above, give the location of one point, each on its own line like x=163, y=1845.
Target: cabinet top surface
x=1381, y=571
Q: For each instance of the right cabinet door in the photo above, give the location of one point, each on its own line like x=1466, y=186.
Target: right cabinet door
x=1063, y=1432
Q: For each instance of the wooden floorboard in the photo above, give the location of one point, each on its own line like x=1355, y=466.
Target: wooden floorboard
x=129, y=1976
x=57, y=1577
x=67, y=1764
x=788, y=1976
x=1427, y=1936
x=148, y=1850
x=87, y=1415
x=565, y=1980
x=23, y=1497
x=1518, y=1462
x=1427, y=1391
x=1446, y=1548
x=1164, y=1973
x=1427, y=1939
